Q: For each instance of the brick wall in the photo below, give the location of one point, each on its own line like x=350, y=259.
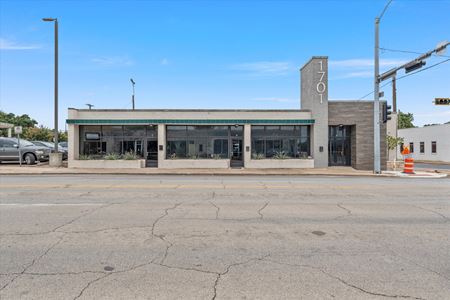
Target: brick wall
x=360, y=115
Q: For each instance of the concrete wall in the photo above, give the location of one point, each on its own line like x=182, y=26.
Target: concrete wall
x=314, y=97
x=360, y=115
x=73, y=141
x=438, y=133
x=280, y=164
x=391, y=129
x=247, y=150
x=107, y=164
x=194, y=164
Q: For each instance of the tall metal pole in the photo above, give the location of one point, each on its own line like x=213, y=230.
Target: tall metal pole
x=376, y=105
x=56, y=86
x=132, y=97
x=394, y=95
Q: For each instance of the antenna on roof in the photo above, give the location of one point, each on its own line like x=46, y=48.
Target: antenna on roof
x=90, y=106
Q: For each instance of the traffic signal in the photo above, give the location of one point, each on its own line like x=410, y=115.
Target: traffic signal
x=386, y=112
x=441, y=101
x=414, y=65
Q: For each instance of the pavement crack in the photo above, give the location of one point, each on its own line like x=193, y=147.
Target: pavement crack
x=215, y=205
x=432, y=211
x=348, y=211
x=261, y=216
x=90, y=283
x=346, y=282
x=33, y=262
x=228, y=268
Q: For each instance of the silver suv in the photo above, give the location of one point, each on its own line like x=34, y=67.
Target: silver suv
x=9, y=151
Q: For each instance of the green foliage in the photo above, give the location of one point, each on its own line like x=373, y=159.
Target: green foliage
x=129, y=155
x=393, y=142
x=85, y=157
x=30, y=132
x=280, y=155
x=24, y=120
x=112, y=156
x=258, y=156
x=405, y=120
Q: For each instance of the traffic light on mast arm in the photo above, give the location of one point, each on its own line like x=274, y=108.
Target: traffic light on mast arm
x=386, y=112
x=441, y=101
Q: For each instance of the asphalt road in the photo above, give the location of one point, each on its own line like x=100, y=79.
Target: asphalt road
x=232, y=237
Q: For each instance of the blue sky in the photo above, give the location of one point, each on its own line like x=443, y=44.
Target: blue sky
x=213, y=54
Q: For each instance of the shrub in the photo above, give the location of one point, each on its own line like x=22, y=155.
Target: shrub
x=112, y=156
x=258, y=156
x=129, y=156
x=85, y=157
x=280, y=155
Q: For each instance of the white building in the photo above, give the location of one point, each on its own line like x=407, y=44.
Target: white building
x=430, y=143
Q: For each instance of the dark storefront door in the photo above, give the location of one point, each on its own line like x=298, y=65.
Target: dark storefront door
x=339, y=146
x=152, y=154
x=236, y=154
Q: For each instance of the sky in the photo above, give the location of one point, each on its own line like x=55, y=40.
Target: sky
x=214, y=54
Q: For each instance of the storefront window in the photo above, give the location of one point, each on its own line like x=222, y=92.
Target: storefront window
x=97, y=141
x=200, y=142
x=280, y=142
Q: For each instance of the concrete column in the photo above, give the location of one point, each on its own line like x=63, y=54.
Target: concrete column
x=247, y=144
x=9, y=132
x=161, y=144
x=391, y=128
x=314, y=96
x=73, y=141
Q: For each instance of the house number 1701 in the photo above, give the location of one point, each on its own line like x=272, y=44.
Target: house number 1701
x=321, y=87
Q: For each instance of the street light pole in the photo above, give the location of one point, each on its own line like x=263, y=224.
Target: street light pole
x=56, y=80
x=132, y=96
x=376, y=103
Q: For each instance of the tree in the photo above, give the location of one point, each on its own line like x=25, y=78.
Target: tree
x=24, y=120
x=405, y=120
x=392, y=143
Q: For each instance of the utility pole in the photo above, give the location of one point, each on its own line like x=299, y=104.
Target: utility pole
x=132, y=96
x=376, y=103
x=57, y=161
x=394, y=95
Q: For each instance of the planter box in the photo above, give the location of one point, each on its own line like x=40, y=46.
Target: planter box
x=194, y=164
x=107, y=164
x=280, y=164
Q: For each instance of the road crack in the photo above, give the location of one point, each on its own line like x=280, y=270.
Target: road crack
x=261, y=216
x=432, y=211
x=346, y=282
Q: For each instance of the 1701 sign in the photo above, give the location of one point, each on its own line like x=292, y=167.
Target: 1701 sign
x=321, y=86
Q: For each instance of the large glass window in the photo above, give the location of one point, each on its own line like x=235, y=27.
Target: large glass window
x=97, y=141
x=280, y=141
x=200, y=141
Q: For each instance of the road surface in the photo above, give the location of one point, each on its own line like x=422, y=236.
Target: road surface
x=231, y=237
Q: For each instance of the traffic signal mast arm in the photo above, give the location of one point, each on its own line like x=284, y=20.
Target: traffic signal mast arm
x=412, y=65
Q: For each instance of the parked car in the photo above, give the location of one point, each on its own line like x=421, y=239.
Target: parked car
x=63, y=144
x=51, y=146
x=10, y=149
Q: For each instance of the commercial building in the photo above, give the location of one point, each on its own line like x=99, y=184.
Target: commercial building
x=320, y=134
x=429, y=143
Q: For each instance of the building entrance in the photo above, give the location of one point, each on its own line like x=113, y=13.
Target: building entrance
x=151, y=158
x=236, y=154
x=339, y=146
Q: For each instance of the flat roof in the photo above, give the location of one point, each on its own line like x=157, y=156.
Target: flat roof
x=188, y=110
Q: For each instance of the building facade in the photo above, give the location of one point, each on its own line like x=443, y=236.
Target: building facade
x=320, y=134
x=430, y=143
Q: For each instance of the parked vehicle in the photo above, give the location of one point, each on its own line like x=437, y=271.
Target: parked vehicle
x=51, y=146
x=63, y=144
x=11, y=147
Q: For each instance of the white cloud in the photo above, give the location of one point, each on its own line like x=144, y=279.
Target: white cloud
x=275, y=99
x=263, y=68
x=10, y=45
x=365, y=63
x=113, y=61
x=164, y=61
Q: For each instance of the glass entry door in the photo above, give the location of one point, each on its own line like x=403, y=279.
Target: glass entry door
x=152, y=153
x=236, y=153
x=339, y=146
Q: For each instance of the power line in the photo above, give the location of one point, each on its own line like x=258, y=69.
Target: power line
x=408, y=51
x=406, y=75
x=384, y=10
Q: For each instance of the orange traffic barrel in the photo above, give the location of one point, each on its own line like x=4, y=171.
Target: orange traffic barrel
x=409, y=165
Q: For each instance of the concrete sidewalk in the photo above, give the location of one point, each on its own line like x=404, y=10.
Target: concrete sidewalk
x=331, y=171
